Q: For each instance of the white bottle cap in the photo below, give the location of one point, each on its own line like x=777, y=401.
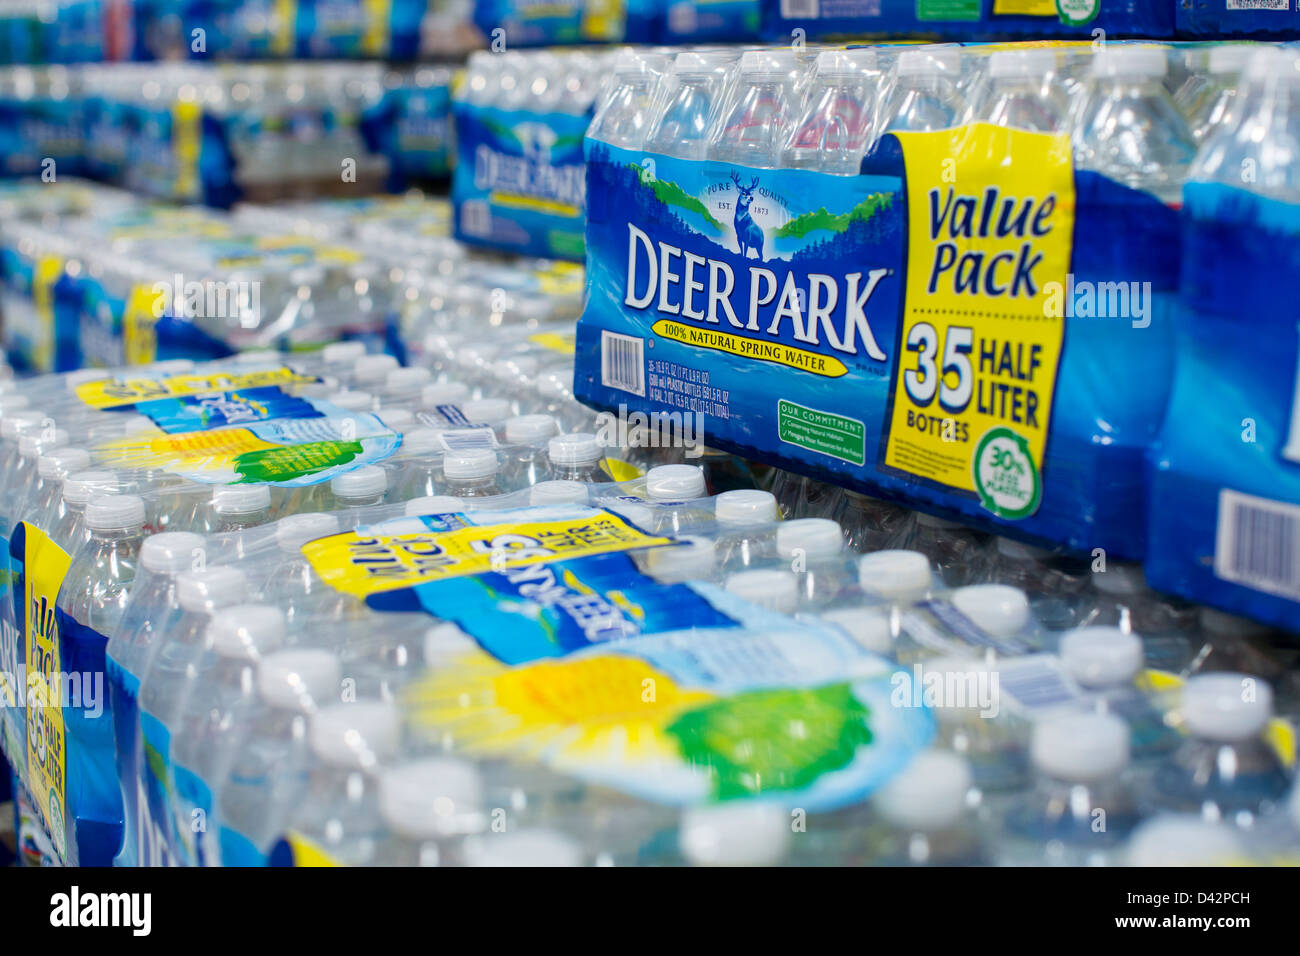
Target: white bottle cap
x=407, y=380
x=373, y=368
x=768, y=62
x=536, y=847
x=1175, y=839
x=32, y=444
x=444, y=642
x=868, y=626
x=775, y=590
x=170, y=552
x=1120, y=579
x=421, y=441
x=1019, y=551
x=357, y=735
x=78, y=487
x=342, y=353
x=745, y=507
x=240, y=499
x=19, y=423
x=530, y=429
x=558, y=493
x=114, y=512
x=813, y=537
x=293, y=531
x=578, y=448
x=675, y=483
x=202, y=592
x=245, y=632
x=397, y=419
x=470, y=463
x=428, y=798
x=1080, y=748
x=895, y=575
x=1134, y=61
x=836, y=63
x=444, y=393
x=694, y=559
x=62, y=461
x=1227, y=707
x=299, y=680
x=486, y=411
x=928, y=795
x=352, y=401
x=996, y=609
x=434, y=505
x=1031, y=63
x=1101, y=656
x=364, y=482
x=735, y=834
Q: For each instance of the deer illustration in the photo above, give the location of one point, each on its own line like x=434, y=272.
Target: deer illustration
x=749, y=234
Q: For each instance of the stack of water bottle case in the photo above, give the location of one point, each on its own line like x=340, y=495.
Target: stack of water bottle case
x=444, y=613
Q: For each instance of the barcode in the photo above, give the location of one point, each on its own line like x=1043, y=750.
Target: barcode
x=1037, y=683
x=796, y=9
x=1282, y=5
x=442, y=416
x=1258, y=543
x=460, y=439
x=622, y=362
x=475, y=219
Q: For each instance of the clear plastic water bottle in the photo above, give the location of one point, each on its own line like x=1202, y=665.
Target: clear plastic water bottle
x=1024, y=92
x=370, y=371
x=1107, y=662
x=757, y=123
x=814, y=549
x=1226, y=770
x=268, y=768
x=429, y=807
x=1209, y=99
x=1128, y=127
x=90, y=607
x=1081, y=809
x=971, y=722
x=1120, y=598
x=339, y=810
x=694, y=559
x=745, y=526
x=927, y=812
x=924, y=96
x=576, y=456
x=403, y=386
x=163, y=685
x=526, y=457
x=220, y=699
x=1056, y=582
x=153, y=608
x=838, y=124
x=471, y=473
x=624, y=117
x=239, y=507
x=52, y=469
x=418, y=464
x=682, y=129
x=869, y=524
x=293, y=584
x=954, y=549
x=490, y=412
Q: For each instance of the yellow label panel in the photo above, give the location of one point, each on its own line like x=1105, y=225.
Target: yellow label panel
x=990, y=236
x=45, y=275
x=1024, y=8
x=778, y=353
x=186, y=140
x=46, y=564
x=139, y=338
x=362, y=565
x=378, y=15
x=113, y=393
